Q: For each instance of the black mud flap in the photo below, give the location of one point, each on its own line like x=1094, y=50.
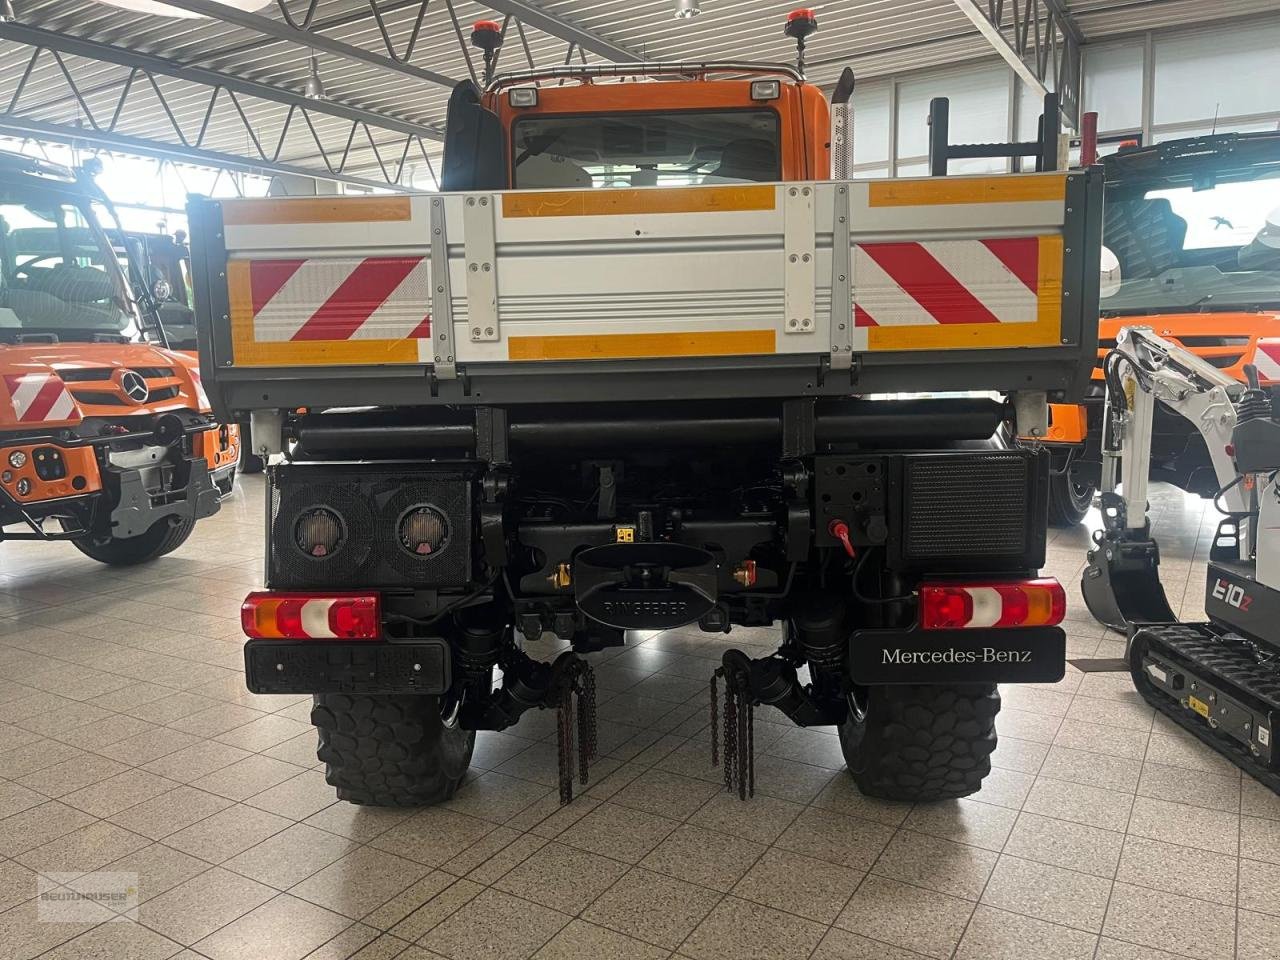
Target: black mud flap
x=645, y=586
x=1121, y=585
x=338, y=666
x=1021, y=655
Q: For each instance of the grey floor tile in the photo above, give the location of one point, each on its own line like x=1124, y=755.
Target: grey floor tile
x=196, y=908
x=495, y=926
x=1098, y=738
x=1109, y=949
x=749, y=931
x=843, y=796
x=839, y=944
x=1061, y=843
x=431, y=836
x=922, y=920
x=1260, y=887
x=1024, y=756
x=665, y=793
x=1257, y=801
x=1193, y=928
x=1179, y=823
x=956, y=869
x=89, y=848
x=1260, y=839
x=38, y=825
x=1201, y=790
x=815, y=889
x=228, y=832
x=651, y=907
x=290, y=856
x=159, y=868
x=618, y=832
x=1079, y=803
x=581, y=939
x=359, y=882
x=827, y=835
x=562, y=878
x=701, y=856
x=965, y=821
x=169, y=812
x=998, y=935
x=1038, y=890
x=763, y=819
x=1176, y=869
x=17, y=884
x=283, y=928
x=1258, y=937
x=116, y=941
x=1096, y=769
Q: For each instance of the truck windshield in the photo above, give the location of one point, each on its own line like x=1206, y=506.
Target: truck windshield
x=1208, y=249
x=58, y=273
x=647, y=149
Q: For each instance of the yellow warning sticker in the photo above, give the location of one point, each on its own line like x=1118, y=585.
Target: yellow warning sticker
x=1199, y=706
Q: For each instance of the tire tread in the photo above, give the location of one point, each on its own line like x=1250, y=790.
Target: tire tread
x=389, y=751
x=923, y=742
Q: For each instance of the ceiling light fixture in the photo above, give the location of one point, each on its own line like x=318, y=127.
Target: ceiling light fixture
x=315, y=86
x=7, y=14
x=687, y=9
x=158, y=9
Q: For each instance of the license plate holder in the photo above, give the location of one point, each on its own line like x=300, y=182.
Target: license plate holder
x=363, y=666
x=1022, y=655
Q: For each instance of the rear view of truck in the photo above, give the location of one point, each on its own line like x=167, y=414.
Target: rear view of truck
x=591, y=410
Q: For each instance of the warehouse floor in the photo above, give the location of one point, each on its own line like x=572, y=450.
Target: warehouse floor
x=128, y=745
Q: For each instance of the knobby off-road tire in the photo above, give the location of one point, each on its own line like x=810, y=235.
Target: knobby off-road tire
x=1069, y=500
x=390, y=751
x=161, y=538
x=921, y=742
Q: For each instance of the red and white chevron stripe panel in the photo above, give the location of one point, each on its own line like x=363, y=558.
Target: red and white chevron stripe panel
x=202, y=398
x=1267, y=359
x=372, y=298
x=39, y=398
x=946, y=282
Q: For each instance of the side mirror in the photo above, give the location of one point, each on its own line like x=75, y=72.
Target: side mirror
x=475, y=145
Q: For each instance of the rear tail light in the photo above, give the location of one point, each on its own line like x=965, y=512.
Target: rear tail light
x=310, y=616
x=982, y=606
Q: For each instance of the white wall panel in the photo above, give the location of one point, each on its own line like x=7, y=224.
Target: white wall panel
x=1232, y=71
x=1113, y=84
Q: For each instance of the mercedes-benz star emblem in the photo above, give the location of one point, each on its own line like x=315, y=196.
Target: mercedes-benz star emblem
x=134, y=386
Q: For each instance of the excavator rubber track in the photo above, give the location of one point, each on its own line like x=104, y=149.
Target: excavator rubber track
x=1220, y=687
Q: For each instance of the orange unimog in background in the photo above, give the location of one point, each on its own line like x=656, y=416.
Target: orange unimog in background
x=106, y=437
x=1191, y=248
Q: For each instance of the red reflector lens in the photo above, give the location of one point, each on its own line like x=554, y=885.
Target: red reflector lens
x=945, y=608
x=311, y=616
x=986, y=606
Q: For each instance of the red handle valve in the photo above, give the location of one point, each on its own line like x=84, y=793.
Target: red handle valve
x=840, y=530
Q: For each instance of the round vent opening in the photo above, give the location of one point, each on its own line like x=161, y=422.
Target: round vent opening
x=318, y=532
x=422, y=531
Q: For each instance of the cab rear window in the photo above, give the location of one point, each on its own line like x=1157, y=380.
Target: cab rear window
x=647, y=149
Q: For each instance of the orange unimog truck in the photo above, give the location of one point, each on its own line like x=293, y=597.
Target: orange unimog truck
x=640, y=367
x=1191, y=248
x=106, y=437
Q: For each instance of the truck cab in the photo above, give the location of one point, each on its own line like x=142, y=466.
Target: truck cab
x=106, y=439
